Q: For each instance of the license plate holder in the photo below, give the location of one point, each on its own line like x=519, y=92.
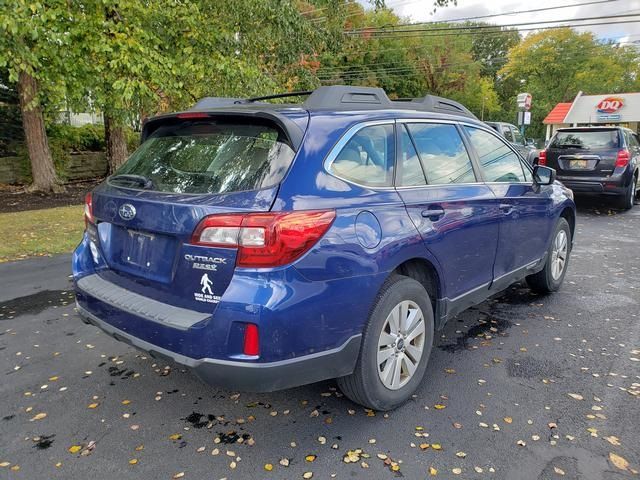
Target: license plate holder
x=139, y=250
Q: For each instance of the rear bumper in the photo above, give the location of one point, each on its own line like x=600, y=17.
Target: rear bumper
x=246, y=376
x=590, y=185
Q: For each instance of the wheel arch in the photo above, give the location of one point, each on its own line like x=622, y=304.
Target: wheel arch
x=425, y=272
x=570, y=216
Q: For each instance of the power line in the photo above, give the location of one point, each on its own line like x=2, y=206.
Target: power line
x=517, y=12
x=410, y=34
x=364, y=71
x=400, y=29
x=338, y=68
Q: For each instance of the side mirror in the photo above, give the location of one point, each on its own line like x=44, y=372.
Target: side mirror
x=543, y=175
x=531, y=142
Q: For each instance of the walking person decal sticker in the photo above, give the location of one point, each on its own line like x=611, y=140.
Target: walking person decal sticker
x=206, y=284
x=206, y=294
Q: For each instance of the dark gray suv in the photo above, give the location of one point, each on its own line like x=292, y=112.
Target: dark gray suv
x=600, y=160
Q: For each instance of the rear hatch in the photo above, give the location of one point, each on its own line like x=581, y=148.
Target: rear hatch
x=189, y=168
x=587, y=152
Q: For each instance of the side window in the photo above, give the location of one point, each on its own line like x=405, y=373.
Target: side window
x=443, y=154
x=506, y=131
x=634, y=140
x=498, y=162
x=410, y=170
x=368, y=157
x=517, y=136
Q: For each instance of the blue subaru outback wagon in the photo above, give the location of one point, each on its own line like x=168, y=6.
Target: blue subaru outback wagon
x=272, y=245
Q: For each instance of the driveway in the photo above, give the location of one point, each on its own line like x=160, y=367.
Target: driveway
x=521, y=386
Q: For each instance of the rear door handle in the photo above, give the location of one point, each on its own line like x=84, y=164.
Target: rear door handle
x=506, y=208
x=433, y=213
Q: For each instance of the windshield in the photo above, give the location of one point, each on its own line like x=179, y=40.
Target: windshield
x=209, y=157
x=593, y=139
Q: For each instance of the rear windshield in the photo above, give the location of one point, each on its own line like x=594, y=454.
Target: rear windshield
x=588, y=140
x=208, y=157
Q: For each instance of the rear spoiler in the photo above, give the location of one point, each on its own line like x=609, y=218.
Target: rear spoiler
x=290, y=128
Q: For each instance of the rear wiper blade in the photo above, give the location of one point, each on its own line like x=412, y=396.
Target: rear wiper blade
x=141, y=180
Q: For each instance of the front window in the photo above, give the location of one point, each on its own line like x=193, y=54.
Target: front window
x=497, y=161
x=209, y=157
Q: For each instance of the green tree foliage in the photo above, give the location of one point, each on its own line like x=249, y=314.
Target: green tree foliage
x=135, y=58
x=554, y=65
x=32, y=36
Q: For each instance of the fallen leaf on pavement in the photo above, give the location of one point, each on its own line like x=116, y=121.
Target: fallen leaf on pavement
x=618, y=461
x=613, y=440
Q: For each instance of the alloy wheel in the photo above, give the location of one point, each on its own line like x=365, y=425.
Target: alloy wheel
x=401, y=344
x=559, y=254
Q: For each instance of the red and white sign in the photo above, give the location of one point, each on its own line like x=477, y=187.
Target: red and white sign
x=524, y=101
x=610, y=105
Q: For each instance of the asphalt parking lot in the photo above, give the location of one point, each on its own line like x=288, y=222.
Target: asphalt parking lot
x=521, y=386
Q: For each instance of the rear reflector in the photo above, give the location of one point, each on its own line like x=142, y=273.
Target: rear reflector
x=251, y=340
x=623, y=158
x=88, y=209
x=542, y=157
x=264, y=239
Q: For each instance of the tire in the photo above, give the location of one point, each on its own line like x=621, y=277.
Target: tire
x=548, y=279
x=365, y=385
x=626, y=201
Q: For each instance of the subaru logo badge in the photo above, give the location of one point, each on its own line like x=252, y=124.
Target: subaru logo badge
x=127, y=211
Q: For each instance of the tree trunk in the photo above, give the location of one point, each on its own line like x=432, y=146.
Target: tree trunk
x=42, y=171
x=116, y=140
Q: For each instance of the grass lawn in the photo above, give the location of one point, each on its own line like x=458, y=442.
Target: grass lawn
x=40, y=232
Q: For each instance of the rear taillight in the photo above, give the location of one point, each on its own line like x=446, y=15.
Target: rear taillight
x=264, y=239
x=251, y=344
x=542, y=157
x=88, y=209
x=622, y=160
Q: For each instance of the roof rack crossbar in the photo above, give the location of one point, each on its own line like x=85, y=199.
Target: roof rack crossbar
x=277, y=95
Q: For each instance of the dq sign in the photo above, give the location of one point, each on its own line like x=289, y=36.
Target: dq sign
x=610, y=105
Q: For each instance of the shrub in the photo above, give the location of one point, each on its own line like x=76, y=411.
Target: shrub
x=87, y=138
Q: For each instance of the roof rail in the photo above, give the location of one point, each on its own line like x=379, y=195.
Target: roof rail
x=339, y=97
x=342, y=96
x=433, y=103
x=347, y=97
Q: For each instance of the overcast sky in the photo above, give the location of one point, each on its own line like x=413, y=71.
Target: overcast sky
x=421, y=11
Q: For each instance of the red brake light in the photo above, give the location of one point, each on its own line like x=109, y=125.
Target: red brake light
x=188, y=115
x=88, y=209
x=251, y=340
x=623, y=158
x=264, y=239
x=542, y=157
